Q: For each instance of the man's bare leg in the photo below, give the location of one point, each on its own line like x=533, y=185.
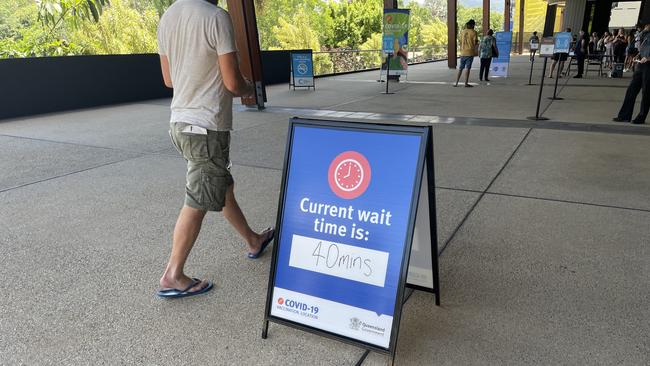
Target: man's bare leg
x=552, y=69
x=236, y=217
x=467, y=77
x=186, y=231
x=460, y=72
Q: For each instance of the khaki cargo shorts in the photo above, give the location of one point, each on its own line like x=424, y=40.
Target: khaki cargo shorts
x=208, y=166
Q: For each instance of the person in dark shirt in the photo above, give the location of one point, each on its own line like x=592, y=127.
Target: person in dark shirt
x=581, y=52
x=640, y=82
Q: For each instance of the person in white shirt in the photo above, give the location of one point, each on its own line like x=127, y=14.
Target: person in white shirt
x=198, y=58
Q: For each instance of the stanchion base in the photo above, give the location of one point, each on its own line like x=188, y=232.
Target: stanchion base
x=387, y=93
x=533, y=118
x=555, y=98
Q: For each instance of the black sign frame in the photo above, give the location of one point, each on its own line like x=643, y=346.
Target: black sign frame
x=425, y=156
x=292, y=74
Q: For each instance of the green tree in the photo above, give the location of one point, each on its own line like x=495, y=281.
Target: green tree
x=476, y=13
x=298, y=35
x=121, y=30
x=369, y=56
x=354, y=22
x=53, y=13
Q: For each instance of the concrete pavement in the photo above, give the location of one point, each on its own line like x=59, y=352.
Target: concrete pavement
x=545, y=232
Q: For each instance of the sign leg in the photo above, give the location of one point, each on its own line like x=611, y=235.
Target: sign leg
x=363, y=358
x=265, y=329
x=387, y=73
x=431, y=191
x=532, y=63
x=537, y=117
x=557, y=78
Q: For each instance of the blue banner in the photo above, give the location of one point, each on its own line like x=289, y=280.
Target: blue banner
x=302, y=67
x=501, y=64
x=345, y=222
x=563, y=42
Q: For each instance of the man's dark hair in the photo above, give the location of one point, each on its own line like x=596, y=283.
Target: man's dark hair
x=535, y=33
x=490, y=32
x=471, y=24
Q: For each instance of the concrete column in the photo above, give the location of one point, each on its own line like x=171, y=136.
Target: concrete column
x=574, y=14
x=452, y=34
x=507, y=16
x=486, y=16
x=390, y=4
x=242, y=13
x=522, y=5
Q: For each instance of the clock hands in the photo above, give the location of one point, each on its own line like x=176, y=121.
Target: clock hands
x=349, y=171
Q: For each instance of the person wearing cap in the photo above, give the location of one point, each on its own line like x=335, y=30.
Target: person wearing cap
x=640, y=82
x=468, y=50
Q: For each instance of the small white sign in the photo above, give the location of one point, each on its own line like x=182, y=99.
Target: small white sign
x=547, y=50
x=332, y=316
x=340, y=260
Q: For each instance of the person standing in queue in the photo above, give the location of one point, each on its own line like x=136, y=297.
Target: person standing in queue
x=640, y=82
x=486, y=52
x=558, y=60
x=581, y=52
x=198, y=58
x=468, y=50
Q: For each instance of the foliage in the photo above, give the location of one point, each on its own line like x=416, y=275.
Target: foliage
x=120, y=30
x=52, y=13
x=31, y=28
x=298, y=35
x=465, y=14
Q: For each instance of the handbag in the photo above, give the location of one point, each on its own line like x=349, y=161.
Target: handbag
x=495, y=51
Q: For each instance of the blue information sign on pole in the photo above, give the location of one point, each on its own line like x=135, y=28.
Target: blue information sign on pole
x=563, y=42
x=501, y=64
x=388, y=42
x=346, y=224
x=302, y=69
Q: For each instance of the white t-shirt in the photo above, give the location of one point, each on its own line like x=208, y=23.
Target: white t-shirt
x=192, y=34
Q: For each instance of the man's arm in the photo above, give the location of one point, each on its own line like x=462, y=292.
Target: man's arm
x=232, y=77
x=164, y=66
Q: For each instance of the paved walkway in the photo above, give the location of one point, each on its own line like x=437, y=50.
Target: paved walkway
x=544, y=229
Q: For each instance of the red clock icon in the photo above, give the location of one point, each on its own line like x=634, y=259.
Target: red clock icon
x=349, y=175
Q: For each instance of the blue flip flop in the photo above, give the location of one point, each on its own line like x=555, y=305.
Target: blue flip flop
x=264, y=245
x=173, y=293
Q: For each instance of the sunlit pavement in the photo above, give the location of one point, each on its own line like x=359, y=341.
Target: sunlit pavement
x=544, y=229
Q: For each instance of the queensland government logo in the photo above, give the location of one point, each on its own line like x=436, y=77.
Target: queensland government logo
x=355, y=324
x=280, y=301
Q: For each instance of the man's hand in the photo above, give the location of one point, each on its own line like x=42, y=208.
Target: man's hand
x=643, y=60
x=251, y=88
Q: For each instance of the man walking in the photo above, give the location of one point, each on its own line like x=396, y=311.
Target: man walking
x=199, y=61
x=640, y=82
x=468, y=50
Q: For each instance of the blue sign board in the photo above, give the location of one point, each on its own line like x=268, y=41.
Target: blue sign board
x=345, y=228
x=302, y=69
x=500, y=65
x=563, y=42
x=388, y=43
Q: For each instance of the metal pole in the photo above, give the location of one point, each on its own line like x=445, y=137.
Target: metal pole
x=539, y=97
x=532, y=63
x=557, y=78
x=387, y=73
